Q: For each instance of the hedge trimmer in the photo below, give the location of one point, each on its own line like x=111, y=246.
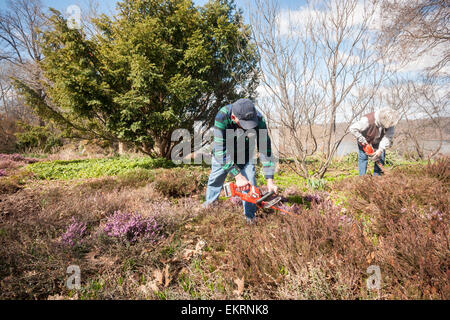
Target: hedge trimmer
x=368, y=149
x=254, y=196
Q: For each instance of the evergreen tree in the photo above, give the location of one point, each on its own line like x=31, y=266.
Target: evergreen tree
x=157, y=66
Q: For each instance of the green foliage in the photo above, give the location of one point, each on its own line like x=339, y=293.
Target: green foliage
x=94, y=168
x=350, y=158
x=157, y=66
x=316, y=184
x=36, y=137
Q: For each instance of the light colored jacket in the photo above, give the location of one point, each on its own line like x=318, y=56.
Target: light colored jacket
x=358, y=127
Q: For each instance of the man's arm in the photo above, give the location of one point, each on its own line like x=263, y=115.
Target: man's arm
x=265, y=154
x=358, y=127
x=386, y=142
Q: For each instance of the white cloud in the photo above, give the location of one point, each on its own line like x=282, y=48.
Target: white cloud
x=426, y=60
x=294, y=20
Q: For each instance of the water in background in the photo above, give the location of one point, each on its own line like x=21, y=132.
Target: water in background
x=347, y=146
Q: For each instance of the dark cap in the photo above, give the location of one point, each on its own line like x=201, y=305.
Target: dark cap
x=245, y=111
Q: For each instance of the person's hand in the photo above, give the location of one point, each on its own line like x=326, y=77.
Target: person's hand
x=272, y=186
x=376, y=156
x=242, y=183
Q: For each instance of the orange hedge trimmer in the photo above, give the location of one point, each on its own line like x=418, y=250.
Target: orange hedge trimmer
x=368, y=149
x=254, y=196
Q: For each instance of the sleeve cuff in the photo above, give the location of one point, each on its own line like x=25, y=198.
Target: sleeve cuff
x=234, y=171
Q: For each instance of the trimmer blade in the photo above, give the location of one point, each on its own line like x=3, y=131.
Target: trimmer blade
x=271, y=202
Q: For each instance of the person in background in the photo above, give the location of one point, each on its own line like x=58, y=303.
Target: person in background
x=374, y=133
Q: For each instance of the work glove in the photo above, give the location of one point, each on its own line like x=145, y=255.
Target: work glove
x=272, y=186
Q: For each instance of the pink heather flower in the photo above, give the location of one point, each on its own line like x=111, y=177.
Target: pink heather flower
x=236, y=200
x=131, y=227
x=434, y=214
x=74, y=233
x=283, y=206
x=312, y=198
x=344, y=219
x=2, y=172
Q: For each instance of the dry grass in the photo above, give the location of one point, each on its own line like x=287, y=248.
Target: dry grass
x=320, y=253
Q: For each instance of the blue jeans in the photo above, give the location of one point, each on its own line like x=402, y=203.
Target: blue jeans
x=363, y=160
x=217, y=178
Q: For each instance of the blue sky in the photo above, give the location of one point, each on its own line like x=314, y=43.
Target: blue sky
x=107, y=6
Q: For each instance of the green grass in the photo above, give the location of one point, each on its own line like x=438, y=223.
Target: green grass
x=93, y=168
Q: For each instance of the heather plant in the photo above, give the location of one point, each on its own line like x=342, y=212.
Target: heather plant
x=9, y=185
x=415, y=250
x=236, y=201
x=8, y=164
x=2, y=172
x=74, y=234
x=398, y=222
x=316, y=238
x=439, y=169
x=16, y=158
x=180, y=182
x=132, y=227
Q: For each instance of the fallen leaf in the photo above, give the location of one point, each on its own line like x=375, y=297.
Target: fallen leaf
x=370, y=257
x=167, y=276
x=187, y=253
x=240, y=286
x=200, y=245
x=158, y=276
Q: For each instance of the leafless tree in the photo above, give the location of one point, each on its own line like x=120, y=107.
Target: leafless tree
x=416, y=28
x=318, y=67
x=20, y=53
x=424, y=104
